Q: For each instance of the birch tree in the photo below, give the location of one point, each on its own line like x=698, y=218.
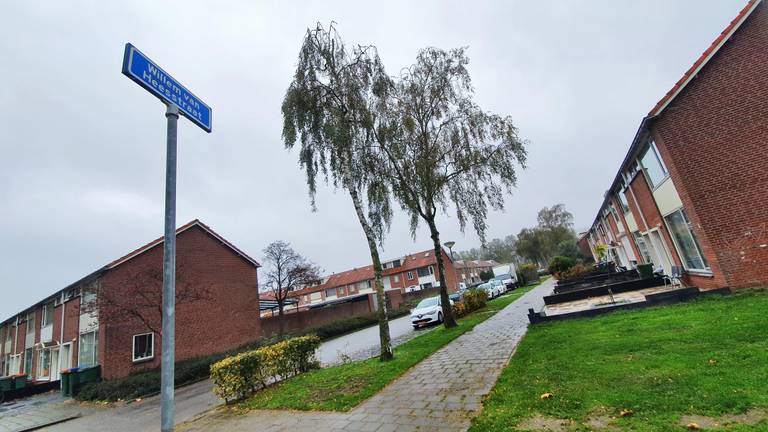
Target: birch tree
x=442, y=149
x=326, y=111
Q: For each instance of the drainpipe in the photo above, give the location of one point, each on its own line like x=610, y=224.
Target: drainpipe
x=16, y=340
x=61, y=334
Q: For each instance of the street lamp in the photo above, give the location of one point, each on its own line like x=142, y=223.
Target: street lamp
x=449, y=245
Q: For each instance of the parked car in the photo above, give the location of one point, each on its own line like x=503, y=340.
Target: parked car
x=507, y=280
x=427, y=311
x=498, y=287
x=492, y=288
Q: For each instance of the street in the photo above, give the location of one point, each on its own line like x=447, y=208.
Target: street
x=191, y=400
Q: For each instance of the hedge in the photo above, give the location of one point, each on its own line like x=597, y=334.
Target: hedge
x=472, y=300
x=145, y=383
x=240, y=375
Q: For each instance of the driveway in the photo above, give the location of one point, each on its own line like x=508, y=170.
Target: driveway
x=191, y=400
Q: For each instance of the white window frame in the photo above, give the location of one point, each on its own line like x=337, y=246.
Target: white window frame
x=652, y=148
x=43, y=321
x=39, y=365
x=133, y=348
x=95, y=349
x=410, y=275
x=707, y=270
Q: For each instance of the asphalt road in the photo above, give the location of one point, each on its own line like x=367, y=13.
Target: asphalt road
x=364, y=343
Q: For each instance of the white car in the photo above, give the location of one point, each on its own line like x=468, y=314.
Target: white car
x=427, y=311
x=494, y=288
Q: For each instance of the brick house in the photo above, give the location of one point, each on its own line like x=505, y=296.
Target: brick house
x=468, y=271
x=692, y=192
x=409, y=273
x=111, y=317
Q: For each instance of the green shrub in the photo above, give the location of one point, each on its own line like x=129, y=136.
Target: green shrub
x=474, y=299
x=237, y=376
x=574, y=272
x=560, y=264
x=529, y=274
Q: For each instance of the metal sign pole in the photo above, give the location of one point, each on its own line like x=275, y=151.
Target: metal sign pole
x=169, y=277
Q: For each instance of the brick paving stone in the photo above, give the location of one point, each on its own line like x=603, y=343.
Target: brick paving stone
x=442, y=393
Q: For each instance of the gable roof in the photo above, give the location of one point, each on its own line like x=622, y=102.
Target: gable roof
x=122, y=260
x=159, y=241
x=704, y=58
x=408, y=263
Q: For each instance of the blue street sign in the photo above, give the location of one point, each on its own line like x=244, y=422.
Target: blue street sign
x=154, y=79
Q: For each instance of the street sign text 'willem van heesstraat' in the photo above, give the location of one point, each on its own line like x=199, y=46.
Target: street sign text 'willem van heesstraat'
x=154, y=79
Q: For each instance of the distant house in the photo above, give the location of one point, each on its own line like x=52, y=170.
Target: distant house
x=408, y=273
x=468, y=271
x=691, y=196
x=111, y=316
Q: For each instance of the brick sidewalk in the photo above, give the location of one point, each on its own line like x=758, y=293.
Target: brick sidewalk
x=442, y=393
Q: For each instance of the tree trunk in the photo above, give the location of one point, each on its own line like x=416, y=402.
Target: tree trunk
x=384, y=339
x=448, y=319
x=280, y=319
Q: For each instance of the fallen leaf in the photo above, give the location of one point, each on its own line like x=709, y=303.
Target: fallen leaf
x=693, y=426
x=546, y=396
x=626, y=413
x=712, y=361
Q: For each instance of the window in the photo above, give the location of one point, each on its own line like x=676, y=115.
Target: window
x=425, y=271
x=643, y=247
x=330, y=292
x=410, y=275
x=653, y=166
x=685, y=241
x=47, y=316
x=28, y=362
x=143, y=346
x=396, y=278
x=44, y=363
x=31, y=323
x=623, y=200
x=88, y=354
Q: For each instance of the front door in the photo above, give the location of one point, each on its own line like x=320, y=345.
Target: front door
x=65, y=359
x=55, y=364
x=661, y=251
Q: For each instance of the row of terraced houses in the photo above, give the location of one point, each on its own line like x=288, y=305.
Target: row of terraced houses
x=691, y=195
x=111, y=317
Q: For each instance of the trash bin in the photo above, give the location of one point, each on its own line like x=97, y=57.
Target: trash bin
x=83, y=376
x=6, y=384
x=645, y=271
x=66, y=383
x=20, y=381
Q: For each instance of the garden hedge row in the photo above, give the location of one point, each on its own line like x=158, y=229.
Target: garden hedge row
x=240, y=375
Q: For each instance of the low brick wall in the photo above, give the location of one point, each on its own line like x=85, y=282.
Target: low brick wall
x=313, y=318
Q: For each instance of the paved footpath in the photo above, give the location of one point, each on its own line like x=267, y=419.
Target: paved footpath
x=442, y=393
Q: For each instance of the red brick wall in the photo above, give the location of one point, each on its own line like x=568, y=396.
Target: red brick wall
x=647, y=205
x=312, y=318
x=630, y=236
x=227, y=321
x=714, y=139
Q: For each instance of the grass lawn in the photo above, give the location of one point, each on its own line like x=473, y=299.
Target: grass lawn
x=707, y=358
x=342, y=387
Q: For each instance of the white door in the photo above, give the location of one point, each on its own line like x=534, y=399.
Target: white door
x=65, y=356
x=661, y=251
x=55, y=364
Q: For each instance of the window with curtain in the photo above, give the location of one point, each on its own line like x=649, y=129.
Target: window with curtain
x=143, y=346
x=88, y=353
x=685, y=241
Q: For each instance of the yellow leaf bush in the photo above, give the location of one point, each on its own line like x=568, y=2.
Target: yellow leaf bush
x=240, y=375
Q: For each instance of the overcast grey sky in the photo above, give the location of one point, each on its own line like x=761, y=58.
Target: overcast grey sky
x=82, y=162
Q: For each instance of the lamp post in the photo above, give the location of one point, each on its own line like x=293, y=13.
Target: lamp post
x=449, y=245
